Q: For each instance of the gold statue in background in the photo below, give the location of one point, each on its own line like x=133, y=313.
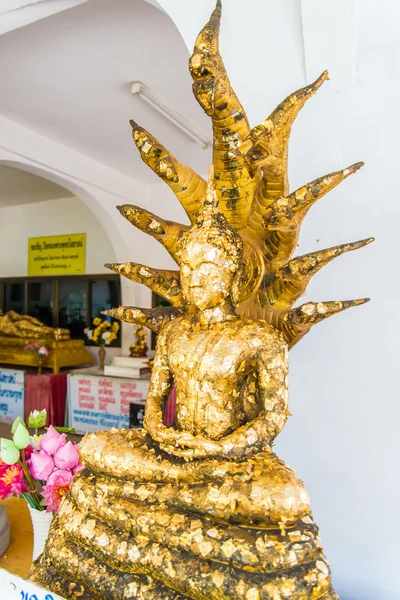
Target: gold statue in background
x=17, y=331
x=139, y=347
x=15, y=325
x=205, y=509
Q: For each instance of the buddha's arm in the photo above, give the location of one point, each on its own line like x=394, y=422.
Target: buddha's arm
x=272, y=389
x=271, y=365
x=160, y=386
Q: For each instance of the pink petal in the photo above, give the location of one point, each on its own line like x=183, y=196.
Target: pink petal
x=59, y=477
x=41, y=465
x=67, y=457
x=52, y=440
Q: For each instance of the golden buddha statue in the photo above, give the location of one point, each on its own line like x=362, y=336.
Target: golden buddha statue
x=15, y=325
x=139, y=347
x=204, y=509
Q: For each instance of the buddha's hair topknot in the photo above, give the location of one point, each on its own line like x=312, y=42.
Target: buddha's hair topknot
x=213, y=228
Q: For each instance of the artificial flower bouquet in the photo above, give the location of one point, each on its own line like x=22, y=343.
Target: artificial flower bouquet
x=103, y=332
x=38, y=350
x=39, y=468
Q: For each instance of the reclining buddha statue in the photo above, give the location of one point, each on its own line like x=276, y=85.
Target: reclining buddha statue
x=205, y=509
x=14, y=325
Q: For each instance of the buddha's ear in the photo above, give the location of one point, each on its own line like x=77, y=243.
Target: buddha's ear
x=236, y=285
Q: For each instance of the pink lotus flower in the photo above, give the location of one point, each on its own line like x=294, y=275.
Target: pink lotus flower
x=57, y=486
x=67, y=457
x=42, y=351
x=41, y=465
x=52, y=440
x=54, y=478
x=32, y=347
x=12, y=481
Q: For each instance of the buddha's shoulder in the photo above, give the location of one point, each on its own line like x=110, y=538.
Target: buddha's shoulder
x=262, y=330
x=242, y=328
x=176, y=325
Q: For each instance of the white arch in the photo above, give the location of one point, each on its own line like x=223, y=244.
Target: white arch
x=81, y=192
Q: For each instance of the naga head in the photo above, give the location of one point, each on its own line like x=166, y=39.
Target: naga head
x=244, y=224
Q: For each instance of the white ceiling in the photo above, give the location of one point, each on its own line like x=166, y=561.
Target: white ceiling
x=67, y=76
x=21, y=187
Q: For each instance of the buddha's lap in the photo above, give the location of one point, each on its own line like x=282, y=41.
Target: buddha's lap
x=90, y=498
x=94, y=526
x=260, y=489
x=160, y=514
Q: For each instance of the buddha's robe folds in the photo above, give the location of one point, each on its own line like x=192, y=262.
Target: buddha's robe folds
x=138, y=523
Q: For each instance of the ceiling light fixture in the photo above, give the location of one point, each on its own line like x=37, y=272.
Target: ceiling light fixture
x=140, y=89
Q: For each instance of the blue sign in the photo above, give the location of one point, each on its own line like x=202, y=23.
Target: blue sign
x=28, y=596
x=12, y=394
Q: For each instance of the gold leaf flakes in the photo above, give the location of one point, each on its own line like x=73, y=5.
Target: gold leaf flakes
x=218, y=578
x=121, y=548
x=131, y=590
x=103, y=540
x=253, y=594
x=213, y=533
x=205, y=548
x=134, y=554
x=322, y=567
x=228, y=548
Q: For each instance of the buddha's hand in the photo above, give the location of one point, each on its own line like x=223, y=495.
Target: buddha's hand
x=187, y=445
x=156, y=429
x=247, y=440
x=176, y=442
x=236, y=445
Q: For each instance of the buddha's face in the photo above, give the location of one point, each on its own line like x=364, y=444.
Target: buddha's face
x=206, y=274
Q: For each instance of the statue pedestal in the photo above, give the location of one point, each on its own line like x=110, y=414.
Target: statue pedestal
x=64, y=353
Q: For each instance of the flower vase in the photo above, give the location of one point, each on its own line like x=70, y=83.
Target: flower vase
x=40, y=365
x=102, y=357
x=41, y=521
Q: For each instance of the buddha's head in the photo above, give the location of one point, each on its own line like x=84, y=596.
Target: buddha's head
x=210, y=262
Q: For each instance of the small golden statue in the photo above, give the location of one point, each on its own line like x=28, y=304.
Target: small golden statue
x=204, y=509
x=139, y=347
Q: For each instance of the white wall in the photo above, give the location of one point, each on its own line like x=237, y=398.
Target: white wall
x=343, y=436
x=52, y=217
